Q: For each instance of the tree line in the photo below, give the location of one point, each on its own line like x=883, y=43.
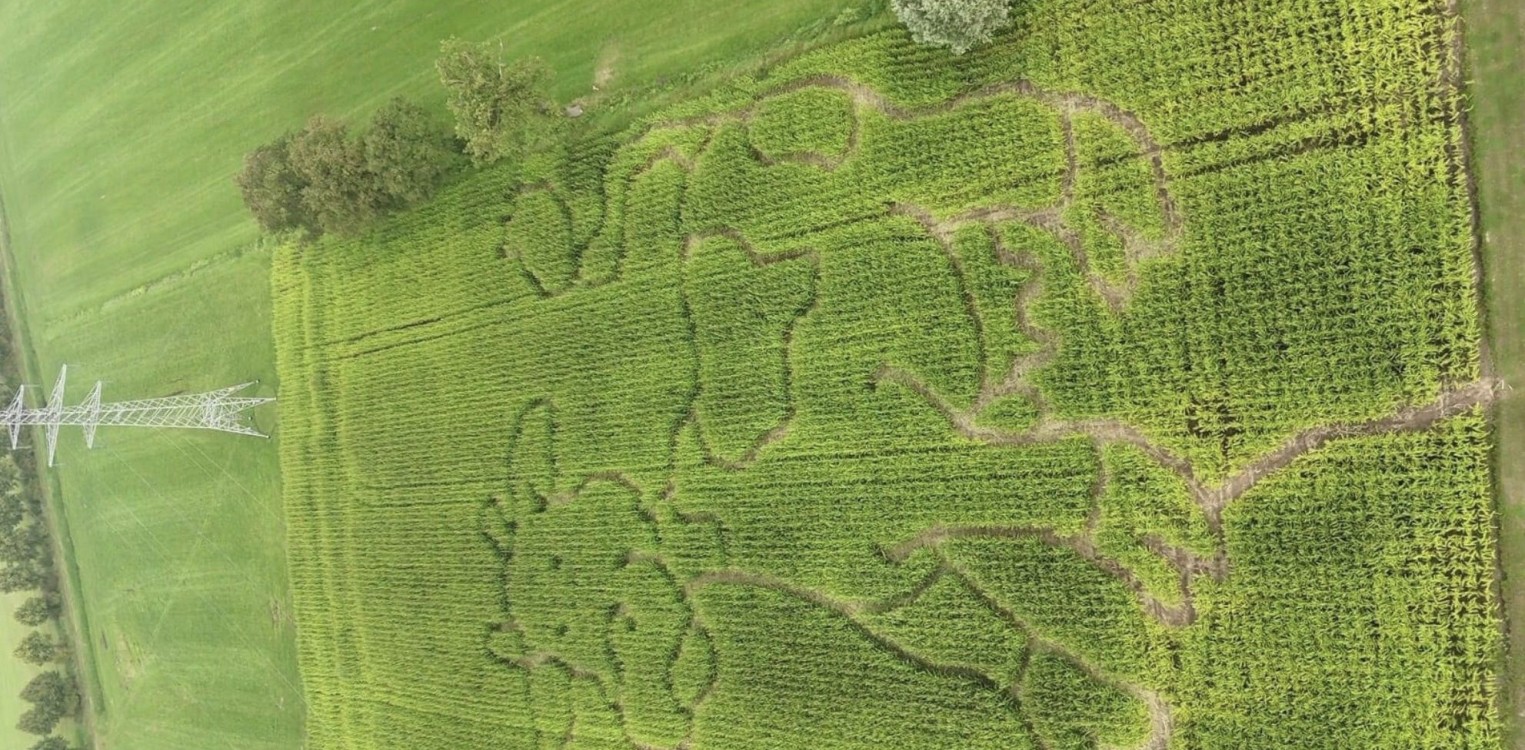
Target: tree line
x=27, y=564
x=322, y=179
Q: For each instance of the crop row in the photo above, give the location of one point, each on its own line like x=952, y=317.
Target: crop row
x=790, y=417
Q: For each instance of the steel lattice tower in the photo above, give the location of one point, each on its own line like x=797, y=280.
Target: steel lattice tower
x=214, y=410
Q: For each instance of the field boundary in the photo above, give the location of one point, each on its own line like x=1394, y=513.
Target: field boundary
x=75, y=620
x=1494, y=31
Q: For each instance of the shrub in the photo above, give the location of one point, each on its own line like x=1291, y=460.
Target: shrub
x=959, y=25
x=51, y=743
x=494, y=103
x=407, y=153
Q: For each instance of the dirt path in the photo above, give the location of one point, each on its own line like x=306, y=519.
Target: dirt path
x=1189, y=564
x=1082, y=544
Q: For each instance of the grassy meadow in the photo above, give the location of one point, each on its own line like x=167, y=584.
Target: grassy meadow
x=120, y=130
x=16, y=672
x=12, y=672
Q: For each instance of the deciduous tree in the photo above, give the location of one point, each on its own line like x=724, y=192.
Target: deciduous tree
x=494, y=102
x=407, y=153
x=48, y=689
x=37, y=648
x=12, y=511
x=959, y=25
x=19, y=577
x=36, y=611
x=341, y=194
x=38, y=721
x=53, y=696
x=272, y=188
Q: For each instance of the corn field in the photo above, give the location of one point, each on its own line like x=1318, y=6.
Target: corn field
x=1115, y=385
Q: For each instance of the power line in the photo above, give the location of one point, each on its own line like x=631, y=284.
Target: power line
x=220, y=410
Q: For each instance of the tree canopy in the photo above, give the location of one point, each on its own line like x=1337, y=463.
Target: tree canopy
x=36, y=648
x=37, y=610
x=959, y=25
x=321, y=179
x=494, y=102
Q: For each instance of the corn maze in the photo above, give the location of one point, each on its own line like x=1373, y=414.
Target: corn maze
x=1115, y=386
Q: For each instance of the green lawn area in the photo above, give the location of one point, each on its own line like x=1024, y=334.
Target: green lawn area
x=120, y=130
x=12, y=672
x=123, y=125
x=1496, y=36
x=15, y=672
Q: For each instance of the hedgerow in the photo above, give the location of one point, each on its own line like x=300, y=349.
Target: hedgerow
x=1117, y=383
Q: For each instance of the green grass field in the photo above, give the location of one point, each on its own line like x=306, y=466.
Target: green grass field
x=162, y=100
x=120, y=130
x=1120, y=385
x=14, y=672
x=1496, y=41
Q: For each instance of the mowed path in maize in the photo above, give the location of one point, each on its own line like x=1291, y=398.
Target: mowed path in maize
x=120, y=130
x=1120, y=384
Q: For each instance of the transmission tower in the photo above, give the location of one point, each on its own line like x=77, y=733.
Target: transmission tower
x=214, y=410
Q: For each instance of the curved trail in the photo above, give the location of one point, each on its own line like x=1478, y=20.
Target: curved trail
x=864, y=97
x=1211, y=498
x=1065, y=105
x=1083, y=544
x=1162, y=723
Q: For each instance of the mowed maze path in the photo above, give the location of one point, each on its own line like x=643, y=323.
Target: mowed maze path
x=1072, y=391
x=120, y=131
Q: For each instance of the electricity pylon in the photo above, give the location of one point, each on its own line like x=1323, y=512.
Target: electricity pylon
x=214, y=410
